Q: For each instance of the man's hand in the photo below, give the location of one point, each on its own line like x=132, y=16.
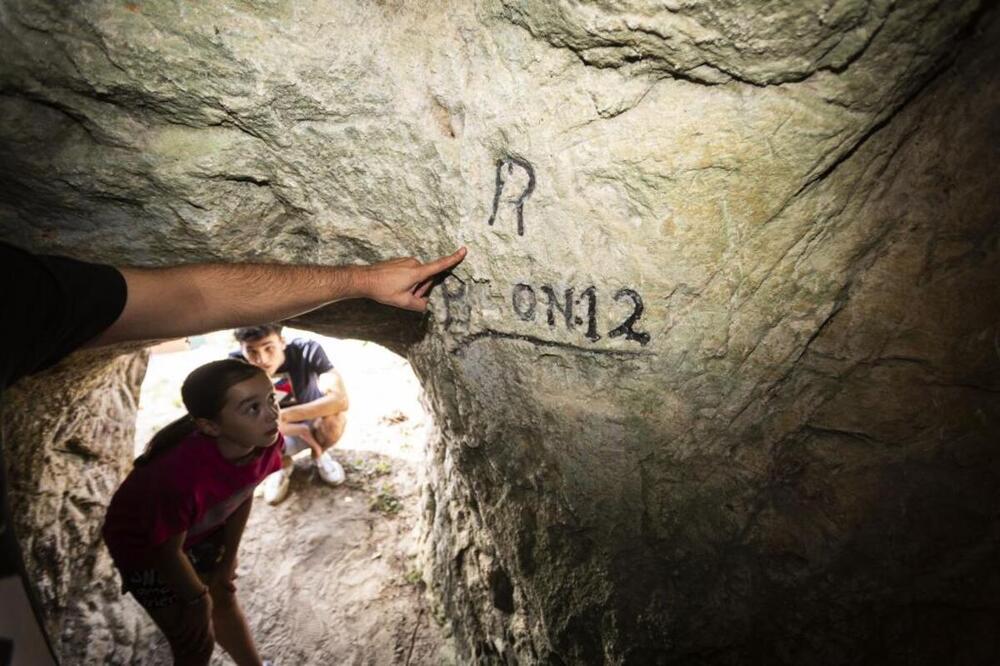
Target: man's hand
x=404, y=283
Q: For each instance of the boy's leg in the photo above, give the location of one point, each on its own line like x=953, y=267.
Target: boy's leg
x=329, y=429
x=319, y=435
x=275, y=486
x=299, y=436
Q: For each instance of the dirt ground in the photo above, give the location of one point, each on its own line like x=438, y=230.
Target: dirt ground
x=329, y=576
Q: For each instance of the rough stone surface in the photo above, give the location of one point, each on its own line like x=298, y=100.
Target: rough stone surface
x=63, y=466
x=788, y=458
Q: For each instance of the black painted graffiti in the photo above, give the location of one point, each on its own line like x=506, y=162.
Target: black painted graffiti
x=566, y=308
x=563, y=308
x=626, y=326
x=493, y=334
x=524, y=302
x=517, y=177
x=591, y=294
x=457, y=309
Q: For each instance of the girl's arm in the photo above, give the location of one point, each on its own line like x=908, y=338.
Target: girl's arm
x=232, y=533
x=176, y=570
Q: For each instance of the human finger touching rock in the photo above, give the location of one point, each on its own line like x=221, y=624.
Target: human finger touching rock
x=406, y=282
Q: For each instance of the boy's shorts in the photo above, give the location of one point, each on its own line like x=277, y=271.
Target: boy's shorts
x=148, y=588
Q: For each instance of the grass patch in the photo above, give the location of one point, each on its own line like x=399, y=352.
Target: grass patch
x=385, y=500
x=414, y=577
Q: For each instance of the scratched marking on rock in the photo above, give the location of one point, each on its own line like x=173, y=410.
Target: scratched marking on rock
x=561, y=310
x=552, y=309
x=566, y=308
x=515, y=181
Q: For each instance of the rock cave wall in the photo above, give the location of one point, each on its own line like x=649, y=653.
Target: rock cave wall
x=718, y=381
x=68, y=435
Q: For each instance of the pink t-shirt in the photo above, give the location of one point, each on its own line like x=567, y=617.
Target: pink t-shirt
x=190, y=487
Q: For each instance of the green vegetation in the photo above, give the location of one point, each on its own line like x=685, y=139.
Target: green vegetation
x=385, y=500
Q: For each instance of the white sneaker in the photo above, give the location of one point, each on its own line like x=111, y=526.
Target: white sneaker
x=276, y=485
x=330, y=470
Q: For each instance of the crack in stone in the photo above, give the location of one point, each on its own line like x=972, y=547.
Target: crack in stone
x=856, y=435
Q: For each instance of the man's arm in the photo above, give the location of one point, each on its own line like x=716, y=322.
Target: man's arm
x=177, y=301
x=333, y=401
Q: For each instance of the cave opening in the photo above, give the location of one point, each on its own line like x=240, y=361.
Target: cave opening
x=331, y=570
x=351, y=577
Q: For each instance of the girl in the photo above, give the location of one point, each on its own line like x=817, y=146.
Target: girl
x=174, y=525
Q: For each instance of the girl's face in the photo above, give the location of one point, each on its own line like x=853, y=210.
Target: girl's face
x=249, y=419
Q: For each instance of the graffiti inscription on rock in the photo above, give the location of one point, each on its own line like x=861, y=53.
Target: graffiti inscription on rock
x=515, y=181
x=566, y=310
x=558, y=313
x=576, y=311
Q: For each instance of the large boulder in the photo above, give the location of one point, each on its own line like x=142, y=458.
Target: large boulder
x=717, y=382
x=68, y=437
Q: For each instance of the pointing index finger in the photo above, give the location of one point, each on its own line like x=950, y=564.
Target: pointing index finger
x=444, y=263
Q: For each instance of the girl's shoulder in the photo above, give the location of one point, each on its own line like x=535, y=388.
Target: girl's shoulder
x=193, y=452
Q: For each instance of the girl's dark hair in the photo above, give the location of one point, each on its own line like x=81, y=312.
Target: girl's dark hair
x=204, y=395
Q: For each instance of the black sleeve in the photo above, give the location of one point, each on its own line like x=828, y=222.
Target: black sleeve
x=51, y=306
x=315, y=357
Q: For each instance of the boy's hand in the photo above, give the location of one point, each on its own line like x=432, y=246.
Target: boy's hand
x=405, y=282
x=303, y=432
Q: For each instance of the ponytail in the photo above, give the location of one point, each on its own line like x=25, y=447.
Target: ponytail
x=204, y=395
x=167, y=438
